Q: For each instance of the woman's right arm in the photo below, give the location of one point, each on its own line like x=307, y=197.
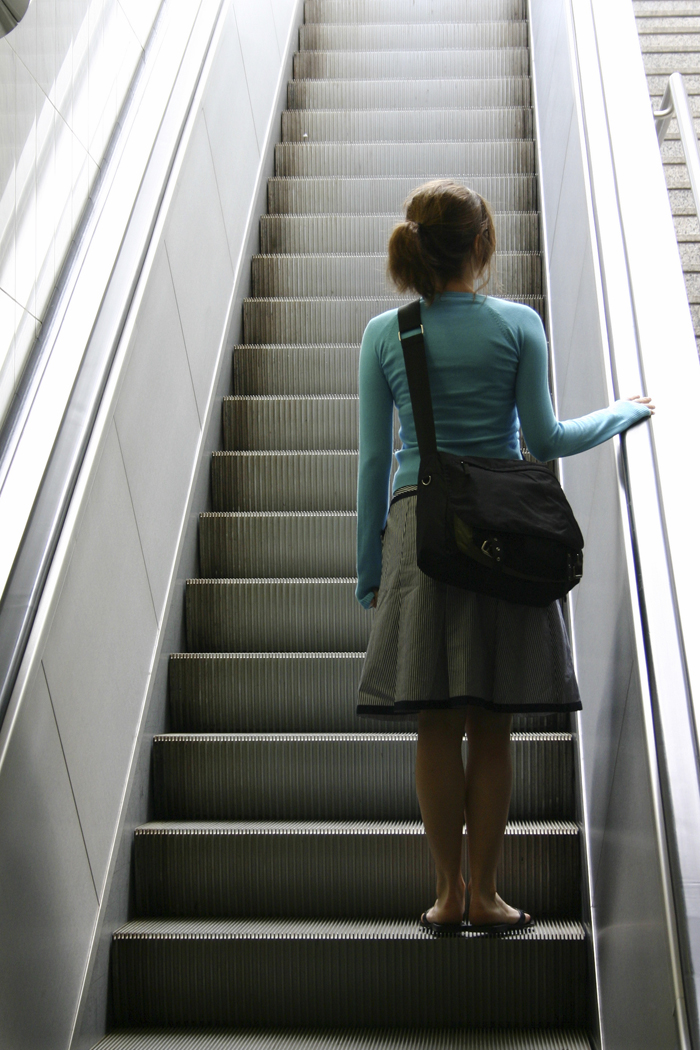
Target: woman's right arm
x=546, y=437
x=374, y=468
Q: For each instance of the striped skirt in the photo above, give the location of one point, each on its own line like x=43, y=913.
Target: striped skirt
x=436, y=646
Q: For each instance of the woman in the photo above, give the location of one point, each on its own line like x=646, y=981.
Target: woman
x=453, y=658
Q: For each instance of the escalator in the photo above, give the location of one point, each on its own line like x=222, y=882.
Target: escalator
x=278, y=887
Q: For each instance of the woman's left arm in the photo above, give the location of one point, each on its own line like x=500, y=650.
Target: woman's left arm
x=374, y=468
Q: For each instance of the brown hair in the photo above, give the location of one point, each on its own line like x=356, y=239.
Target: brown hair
x=447, y=225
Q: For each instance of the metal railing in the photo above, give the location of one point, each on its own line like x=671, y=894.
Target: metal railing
x=676, y=103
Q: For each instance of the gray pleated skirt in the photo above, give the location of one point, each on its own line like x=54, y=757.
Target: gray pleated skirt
x=436, y=646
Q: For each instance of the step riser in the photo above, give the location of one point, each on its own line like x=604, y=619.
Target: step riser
x=275, y=617
x=293, y=694
x=277, y=547
x=425, y=36
x=406, y=65
x=395, y=11
x=372, y=196
x=368, y=778
x=323, y=320
x=427, y=161
x=315, y=275
x=411, y=95
x=348, y=982
x=295, y=370
x=429, y=126
x=334, y=876
x=294, y=423
x=297, y=235
x=284, y=482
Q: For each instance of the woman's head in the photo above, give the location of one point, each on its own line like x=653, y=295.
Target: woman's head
x=447, y=234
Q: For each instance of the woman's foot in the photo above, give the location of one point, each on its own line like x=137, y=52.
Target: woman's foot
x=492, y=911
x=449, y=906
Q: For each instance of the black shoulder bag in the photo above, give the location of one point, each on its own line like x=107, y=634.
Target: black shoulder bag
x=501, y=527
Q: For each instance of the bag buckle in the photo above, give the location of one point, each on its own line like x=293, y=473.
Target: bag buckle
x=491, y=549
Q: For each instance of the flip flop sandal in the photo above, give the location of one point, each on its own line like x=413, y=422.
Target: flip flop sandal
x=442, y=927
x=496, y=929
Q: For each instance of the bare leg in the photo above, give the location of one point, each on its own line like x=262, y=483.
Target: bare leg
x=489, y=780
x=440, y=787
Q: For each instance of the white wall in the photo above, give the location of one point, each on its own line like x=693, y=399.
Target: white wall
x=64, y=73
x=75, y=747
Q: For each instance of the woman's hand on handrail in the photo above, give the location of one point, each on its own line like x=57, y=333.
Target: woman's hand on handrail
x=373, y=603
x=646, y=401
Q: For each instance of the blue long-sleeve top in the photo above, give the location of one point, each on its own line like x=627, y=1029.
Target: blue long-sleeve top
x=489, y=376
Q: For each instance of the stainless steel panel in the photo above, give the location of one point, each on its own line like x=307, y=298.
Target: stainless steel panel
x=198, y=254
x=48, y=903
x=295, y=369
x=98, y=655
x=393, y=11
x=414, y=158
x=400, y=65
x=418, y=36
x=284, y=480
x=261, y=58
x=158, y=436
x=429, y=125
x=235, y=156
x=302, y=422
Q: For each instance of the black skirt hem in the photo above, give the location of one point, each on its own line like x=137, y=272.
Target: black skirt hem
x=411, y=707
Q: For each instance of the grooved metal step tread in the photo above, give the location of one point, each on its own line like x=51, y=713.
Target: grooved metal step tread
x=516, y=232
x=402, y=65
x=379, y=196
x=351, y=869
x=425, y=125
x=390, y=930
x=379, y=12
x=273, y=480
x=346, y=1039
x=433, y=35
x=311, y=274
x=423, y=160
x=333, y=776
x=441, y=93
x=295, y=369
x=283, y=692
x=277, y=544
x=325, y=320
x=184, y=971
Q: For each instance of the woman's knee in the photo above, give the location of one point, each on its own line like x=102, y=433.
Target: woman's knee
x=489, y=727
x=444, y=724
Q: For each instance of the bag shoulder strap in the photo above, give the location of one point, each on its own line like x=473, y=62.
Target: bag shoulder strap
x=413, y=347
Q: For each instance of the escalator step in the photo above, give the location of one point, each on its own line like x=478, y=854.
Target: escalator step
x=324, y=320
x=276, y=276
x=422, y=160
x=408, y=94
x=267, y=421
x=379, y=196
x=415, y=65
x=284, y=480
x=283, y=692
x=279, y=615
x=393, y=11
x=335, y=870
x=437, y=125
x=315, y=543
x=341, y=972
x=333, y=776
x=298, y=234
x=347, y=1039
x=436, y=35
x=297, y=369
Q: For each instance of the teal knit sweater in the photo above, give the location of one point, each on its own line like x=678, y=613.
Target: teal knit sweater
x=488, y=367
